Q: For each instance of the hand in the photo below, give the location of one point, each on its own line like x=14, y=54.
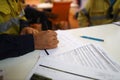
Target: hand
x=33, y=29
x=29, y=30
x=45, y=40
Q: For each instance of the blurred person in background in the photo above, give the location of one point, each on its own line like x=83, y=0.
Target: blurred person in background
x=97, y=12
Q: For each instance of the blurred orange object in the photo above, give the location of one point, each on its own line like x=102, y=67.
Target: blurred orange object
x=61, y=10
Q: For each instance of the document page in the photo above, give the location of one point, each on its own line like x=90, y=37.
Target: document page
x=88, y=55
x=87, y=62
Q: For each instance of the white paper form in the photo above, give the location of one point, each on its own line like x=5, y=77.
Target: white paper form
x=87, y=61
x=66, y=43
x=88, y=56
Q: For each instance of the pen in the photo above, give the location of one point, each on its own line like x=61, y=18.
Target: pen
x=46, y=51
x=46, y=29
x=92, y=38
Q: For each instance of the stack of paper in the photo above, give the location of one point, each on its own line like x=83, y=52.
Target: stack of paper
x=75, y=61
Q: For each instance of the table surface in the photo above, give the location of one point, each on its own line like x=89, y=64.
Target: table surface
x=18, y=68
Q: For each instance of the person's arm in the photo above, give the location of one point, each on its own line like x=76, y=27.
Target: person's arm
x=82, y=20
x=83, y=15
x=13, y=46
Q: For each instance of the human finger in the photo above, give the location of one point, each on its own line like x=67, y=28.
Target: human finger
x=36, y=26
x=51, y=33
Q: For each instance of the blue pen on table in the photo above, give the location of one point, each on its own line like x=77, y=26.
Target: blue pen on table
x=93, y=38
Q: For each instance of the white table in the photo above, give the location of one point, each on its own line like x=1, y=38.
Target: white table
x=19, y=67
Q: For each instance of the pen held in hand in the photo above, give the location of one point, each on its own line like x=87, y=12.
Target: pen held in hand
x=93, y=38
x=46, y=51
x=46, y=29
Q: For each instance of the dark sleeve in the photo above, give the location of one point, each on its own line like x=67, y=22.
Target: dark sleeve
x=23, y=24
x=35, y=16
x=13, y=46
